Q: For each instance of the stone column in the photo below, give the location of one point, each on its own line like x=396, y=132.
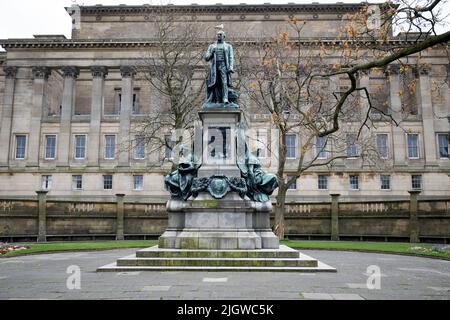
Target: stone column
x=6, y=115
x=98, y=80
x=429, y=137
x=128, y=73
x=447, y=96
x=42, y=215
x=40, y=77
x=68, y=100
x=413, y=217
x=120, y=216
x=398, y=136
x=335, y=216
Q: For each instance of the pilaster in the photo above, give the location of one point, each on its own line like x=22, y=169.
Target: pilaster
x=128, y=73
x=398, y=136
x=6, y=115
x=40, y=77
x=68, y=100
x=429, y=136
x=98, y=80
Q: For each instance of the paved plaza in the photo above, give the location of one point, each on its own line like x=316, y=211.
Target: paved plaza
x=402, y=277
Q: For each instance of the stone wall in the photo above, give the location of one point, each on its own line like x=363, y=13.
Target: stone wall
x=119, y=22
x=97, y=218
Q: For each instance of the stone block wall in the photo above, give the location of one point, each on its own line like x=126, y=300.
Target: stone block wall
x=96, y=218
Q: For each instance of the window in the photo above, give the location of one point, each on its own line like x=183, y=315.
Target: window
x=293, y=186
x=443, y=145
x=320, y=147
x=382, y=145
x=118, y=100
x=322, y=182
x=379, y=94
x=261, y=143
x=291, y=144
x=169, y=145
x=138, y=182
x=77, y=182
x=408, y=86
x=80, y=146
x=50, y=146
x=110, y=146
x=385, y=181
x=134, y=107
x=21, y=143
x=107, y=182
x=416, y=182
x=354, y=182
x=46, y=182
x=413, y=146
x=352, y=150
x=139, y=147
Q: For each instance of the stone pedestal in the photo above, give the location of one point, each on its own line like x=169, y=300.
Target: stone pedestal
x=218, y=228
x=219, y=148
x=228, y=223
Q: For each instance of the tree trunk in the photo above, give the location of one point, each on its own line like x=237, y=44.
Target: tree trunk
x=279, y=213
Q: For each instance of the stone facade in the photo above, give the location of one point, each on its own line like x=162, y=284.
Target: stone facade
x=66, y=89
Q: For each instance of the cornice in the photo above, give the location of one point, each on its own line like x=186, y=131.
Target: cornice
x=115, y=43
x=221, y=8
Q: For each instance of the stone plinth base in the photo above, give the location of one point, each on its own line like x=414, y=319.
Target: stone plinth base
x=225, y=224
x=160, y=259
x=230, y=234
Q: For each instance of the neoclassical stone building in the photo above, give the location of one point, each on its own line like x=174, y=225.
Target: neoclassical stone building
x=66, y=104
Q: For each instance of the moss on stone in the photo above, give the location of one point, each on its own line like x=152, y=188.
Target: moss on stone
x=189, y=243
x=208, y=203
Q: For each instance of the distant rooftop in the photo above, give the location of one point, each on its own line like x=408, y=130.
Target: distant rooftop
x=49, y=36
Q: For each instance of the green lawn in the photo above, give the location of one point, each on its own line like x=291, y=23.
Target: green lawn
x=384, y=247
x=78, y=246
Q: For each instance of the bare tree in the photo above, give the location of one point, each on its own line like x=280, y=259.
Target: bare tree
x=312, y=89
x=173, y=68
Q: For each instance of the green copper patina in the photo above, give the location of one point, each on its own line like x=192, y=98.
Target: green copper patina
x=253, y=183
x=219, y=91
x=260, y=185
x=219, y=185
x=179, y=182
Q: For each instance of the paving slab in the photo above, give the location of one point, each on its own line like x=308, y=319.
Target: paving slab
x=403, y=277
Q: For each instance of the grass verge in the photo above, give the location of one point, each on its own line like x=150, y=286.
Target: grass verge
x=421, y=250
x=49, y=247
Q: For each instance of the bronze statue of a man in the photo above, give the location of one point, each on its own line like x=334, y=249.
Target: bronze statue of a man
x=220, y=54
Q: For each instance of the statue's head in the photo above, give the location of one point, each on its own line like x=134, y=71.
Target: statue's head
x=220, y=35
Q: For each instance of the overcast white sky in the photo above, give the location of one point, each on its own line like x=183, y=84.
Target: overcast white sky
x=25, y=18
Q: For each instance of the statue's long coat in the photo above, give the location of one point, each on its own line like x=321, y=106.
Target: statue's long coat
x=229, y=61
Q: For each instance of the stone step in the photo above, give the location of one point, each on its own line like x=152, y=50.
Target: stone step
x=218, y=262
x=284, y=259
x=155, y=252
x=113, y=267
